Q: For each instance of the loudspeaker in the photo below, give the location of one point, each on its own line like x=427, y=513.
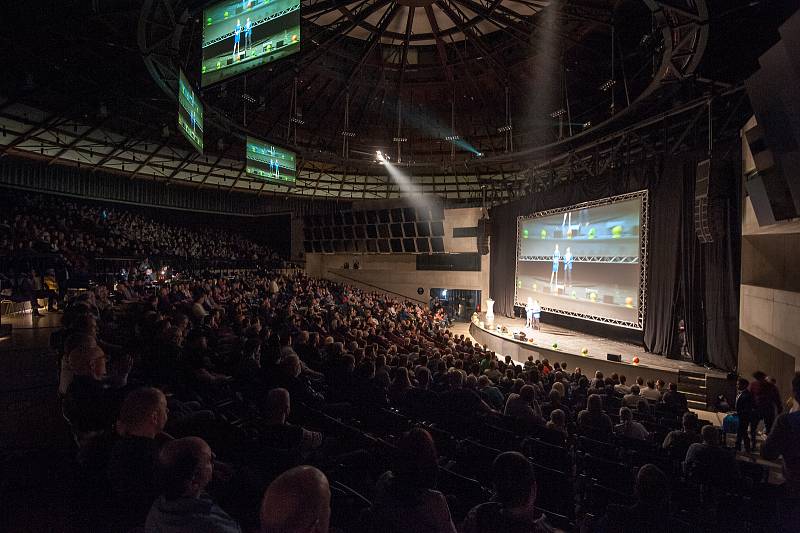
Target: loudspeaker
x=775, y=143
x=770, y=194
x=482, y=236
x=713, y=187
x=614, y=357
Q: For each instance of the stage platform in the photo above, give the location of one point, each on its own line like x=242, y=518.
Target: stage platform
x=699, y=383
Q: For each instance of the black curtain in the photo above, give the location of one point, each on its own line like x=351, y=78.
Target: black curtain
x=698, y=283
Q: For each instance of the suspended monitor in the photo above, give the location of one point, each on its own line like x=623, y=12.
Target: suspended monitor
x=190, y=113
x=265, y=161
x=240, y=36
x=586, y=261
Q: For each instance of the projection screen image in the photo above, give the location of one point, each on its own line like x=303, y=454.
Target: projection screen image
x=241, y=35
x=587, y=261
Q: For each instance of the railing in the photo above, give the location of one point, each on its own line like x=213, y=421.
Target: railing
x=381, y=289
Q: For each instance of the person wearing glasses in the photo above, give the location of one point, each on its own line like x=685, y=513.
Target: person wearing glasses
x=93, y=397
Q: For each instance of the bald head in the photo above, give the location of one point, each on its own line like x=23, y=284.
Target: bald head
x=298, y=501
x=88, y=360
x=186, y=466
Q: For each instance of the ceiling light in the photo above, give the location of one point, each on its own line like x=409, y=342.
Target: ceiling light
x=558, y=113
x=608, y=84
x=400, y=139
x=504, y=129
x=453, y=138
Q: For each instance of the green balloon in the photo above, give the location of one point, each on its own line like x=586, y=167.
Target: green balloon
x=544, y=234
x=592, y=233
x=525, y=234
x=616, y=232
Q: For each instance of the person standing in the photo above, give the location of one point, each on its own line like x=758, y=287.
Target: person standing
x=529, y=313
x=767, y=403
x=554, y=272
x=568, y=260
x=744, y=409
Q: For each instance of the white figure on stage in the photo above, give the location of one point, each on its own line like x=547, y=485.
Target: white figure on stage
x=554, y=273
x=568, y=260
x=532, y=312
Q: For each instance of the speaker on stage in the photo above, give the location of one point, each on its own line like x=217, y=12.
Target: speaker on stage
x=617, y=358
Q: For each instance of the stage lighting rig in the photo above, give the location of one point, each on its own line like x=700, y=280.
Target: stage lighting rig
x=452, y=138
x=558, y=113
x=505, y=129
x=349, y=134
x=400, y=139
x=608, y=84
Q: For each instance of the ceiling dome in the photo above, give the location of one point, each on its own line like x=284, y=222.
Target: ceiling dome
x=420, y=21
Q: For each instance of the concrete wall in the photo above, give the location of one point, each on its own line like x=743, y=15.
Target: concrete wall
x=769, y=314
x=396, y=274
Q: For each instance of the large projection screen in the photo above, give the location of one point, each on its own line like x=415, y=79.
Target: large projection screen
x=586, y=261
x=239, y=36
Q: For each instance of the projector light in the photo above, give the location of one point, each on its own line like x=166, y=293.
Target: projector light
x=400, y=139
x=452, y=138
x=504, y=129
x=559, y=113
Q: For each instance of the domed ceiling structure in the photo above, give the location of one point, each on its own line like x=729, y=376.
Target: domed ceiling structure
x=462, y=92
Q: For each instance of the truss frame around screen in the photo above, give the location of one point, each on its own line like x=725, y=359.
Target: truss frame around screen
x=644, y=215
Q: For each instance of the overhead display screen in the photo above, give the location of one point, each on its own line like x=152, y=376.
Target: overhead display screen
x=190, y=113
x=269, y=162
x=240, y=36
x=587, y=261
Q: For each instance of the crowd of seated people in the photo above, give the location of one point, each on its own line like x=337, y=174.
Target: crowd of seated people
x=287, y=403
x=34, y=223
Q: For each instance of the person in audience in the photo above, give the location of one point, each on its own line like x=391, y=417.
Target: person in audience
x=406, y=498
x=677, y=442
x=133, y=459
x=489, y=393
x=744, y=406
x=558, y=422
x=708, y=463
x=674, y=400
x=186, y=467
x=400, y=385
x=784, y=441
x=651, y=507
x=622, y=387
x=767, y=402
x=631, y=400
x=644, y=411
x=512, y=509
x=279, y=433
x=593, y=420
x=299, y=500
x=93, y=398
x=630, y=428
x=555, y=402
x=462, y=401
x=650, y=392
x=524, y=407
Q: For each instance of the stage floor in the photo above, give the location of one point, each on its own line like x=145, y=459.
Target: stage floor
x=572, y=342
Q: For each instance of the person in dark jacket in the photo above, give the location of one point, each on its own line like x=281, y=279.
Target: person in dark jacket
x=744, y=409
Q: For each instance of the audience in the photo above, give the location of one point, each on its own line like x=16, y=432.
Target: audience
x=269, y=348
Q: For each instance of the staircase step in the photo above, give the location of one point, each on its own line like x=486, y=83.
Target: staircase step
x=696, y=404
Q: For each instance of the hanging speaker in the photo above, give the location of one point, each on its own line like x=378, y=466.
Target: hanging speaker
x=482, y=236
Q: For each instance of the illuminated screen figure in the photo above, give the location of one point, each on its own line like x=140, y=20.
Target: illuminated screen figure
x=568, y=260
x=237, y=36
x=248, y=36
x=554, y=273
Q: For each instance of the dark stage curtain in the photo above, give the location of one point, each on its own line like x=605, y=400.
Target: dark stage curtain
x=698, y=283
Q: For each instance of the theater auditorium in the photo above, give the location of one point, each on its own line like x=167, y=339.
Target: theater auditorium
x=400, y=266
